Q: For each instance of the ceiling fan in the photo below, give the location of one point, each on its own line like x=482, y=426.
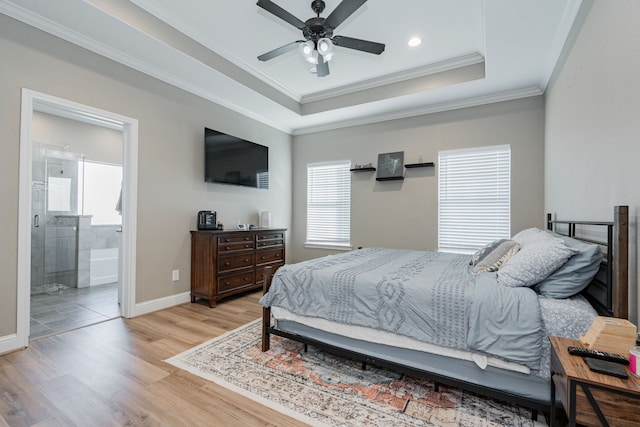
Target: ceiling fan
x=317, y=47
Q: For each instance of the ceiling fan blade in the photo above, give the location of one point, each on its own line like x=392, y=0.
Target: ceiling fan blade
x=279, y=51
x=322, y=68
x=357, y=44
x=276, y=10
x=342, y=12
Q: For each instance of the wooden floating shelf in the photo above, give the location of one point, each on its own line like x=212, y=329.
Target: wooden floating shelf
x=419, y=165
x=362, y=170
x=391, y=178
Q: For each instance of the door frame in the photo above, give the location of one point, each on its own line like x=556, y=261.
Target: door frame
x=36, y=101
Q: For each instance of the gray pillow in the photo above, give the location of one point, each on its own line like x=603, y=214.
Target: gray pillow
x=481, y=253
x=535, y=261
x=497, y=256
x=576, y=274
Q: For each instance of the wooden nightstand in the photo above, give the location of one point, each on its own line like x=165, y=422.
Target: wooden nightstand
x=589, y=398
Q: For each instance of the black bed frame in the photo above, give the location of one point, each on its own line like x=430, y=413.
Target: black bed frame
x=608, y=293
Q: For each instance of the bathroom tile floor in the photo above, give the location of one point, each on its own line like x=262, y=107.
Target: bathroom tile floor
x=70, y=308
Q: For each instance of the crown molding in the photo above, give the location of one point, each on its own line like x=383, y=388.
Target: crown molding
x=413, y=73
x=427, y=109
x=28, y=17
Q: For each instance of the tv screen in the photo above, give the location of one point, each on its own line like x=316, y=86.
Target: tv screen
x=232, y=160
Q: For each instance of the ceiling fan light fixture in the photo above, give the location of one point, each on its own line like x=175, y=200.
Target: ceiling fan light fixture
x=325, y=48
x=308, y=51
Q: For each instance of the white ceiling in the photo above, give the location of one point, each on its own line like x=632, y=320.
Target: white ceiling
x=472, y=52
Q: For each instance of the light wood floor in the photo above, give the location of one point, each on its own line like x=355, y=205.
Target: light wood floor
x=113, y=374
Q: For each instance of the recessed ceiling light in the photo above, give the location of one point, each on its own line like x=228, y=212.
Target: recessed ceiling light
x=414, y=41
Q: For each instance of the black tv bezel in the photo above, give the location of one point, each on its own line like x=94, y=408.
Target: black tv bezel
x=210, y=177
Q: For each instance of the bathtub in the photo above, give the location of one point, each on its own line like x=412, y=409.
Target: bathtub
x=103, y=266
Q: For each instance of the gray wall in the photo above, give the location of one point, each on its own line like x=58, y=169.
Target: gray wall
x=593, y=124
x=171, y=187
x=403, y=214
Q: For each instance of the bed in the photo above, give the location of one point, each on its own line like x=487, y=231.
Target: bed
x=478, y=322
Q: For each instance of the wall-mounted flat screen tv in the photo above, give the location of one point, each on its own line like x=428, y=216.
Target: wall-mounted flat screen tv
x=233, y=160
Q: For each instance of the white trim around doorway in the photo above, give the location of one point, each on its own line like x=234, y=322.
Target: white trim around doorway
x=35, y=101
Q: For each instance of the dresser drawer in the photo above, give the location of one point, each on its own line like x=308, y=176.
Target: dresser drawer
x=236, y=281
x=260, y=244
x=270, y=236
x=269, y=256
x=231, y=247
x=237, y=238
x=235, y=262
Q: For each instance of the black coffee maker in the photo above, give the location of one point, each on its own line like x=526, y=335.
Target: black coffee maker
x=207, y=220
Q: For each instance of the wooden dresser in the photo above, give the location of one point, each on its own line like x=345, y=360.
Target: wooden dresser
x=225, y=263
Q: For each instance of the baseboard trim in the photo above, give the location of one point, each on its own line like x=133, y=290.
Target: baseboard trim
x=9, y=343
x=161, y=303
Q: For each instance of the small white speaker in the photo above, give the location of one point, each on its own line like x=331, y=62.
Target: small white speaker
x=265, y=219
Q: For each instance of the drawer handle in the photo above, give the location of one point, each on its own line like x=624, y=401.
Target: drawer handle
x=227, y=248
x=246, y=239
x=263, y=257
x=227, y=264
x=227, y=283
x=277, y=255
x=246, y=260
x=247, y=246
x=246, y=279
x=227, y=240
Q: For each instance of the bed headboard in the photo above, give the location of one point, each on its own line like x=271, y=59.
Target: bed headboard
x=609, y=290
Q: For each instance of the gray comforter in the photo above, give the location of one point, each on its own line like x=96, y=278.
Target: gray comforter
x=429, y=296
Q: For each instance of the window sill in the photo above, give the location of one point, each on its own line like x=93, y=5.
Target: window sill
x=328, y=246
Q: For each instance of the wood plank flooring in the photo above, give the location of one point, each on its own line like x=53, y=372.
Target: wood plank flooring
x=113, y=374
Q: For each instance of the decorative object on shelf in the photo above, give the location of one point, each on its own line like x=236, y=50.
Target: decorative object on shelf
x=363, y=168
x=421, y=164
x=390, y=166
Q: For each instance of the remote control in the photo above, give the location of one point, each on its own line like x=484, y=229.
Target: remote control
x=597, y=354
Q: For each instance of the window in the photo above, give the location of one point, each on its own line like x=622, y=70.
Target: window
x=262, y=178
x=329, y=204
x=474, y=197
x=99, y=191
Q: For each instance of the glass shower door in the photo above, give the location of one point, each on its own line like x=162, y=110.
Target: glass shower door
x=53, y=230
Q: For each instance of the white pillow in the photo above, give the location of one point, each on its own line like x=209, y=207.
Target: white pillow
x=530, y=235
x=537, y=258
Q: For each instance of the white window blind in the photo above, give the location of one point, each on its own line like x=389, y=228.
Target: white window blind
x=262, y=178
x=329, y=204
x=474, y=197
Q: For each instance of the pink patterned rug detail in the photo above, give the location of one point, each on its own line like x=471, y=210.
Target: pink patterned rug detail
x=322, y=389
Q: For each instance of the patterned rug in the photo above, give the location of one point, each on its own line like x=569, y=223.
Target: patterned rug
x=321, y=389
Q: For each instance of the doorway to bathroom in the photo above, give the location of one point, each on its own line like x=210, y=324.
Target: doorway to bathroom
x=65, y=242
x=76, y=224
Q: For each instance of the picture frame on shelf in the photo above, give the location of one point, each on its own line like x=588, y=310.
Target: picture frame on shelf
x=390, y=166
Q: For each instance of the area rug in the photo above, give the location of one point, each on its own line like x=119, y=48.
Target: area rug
x=321, y=389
